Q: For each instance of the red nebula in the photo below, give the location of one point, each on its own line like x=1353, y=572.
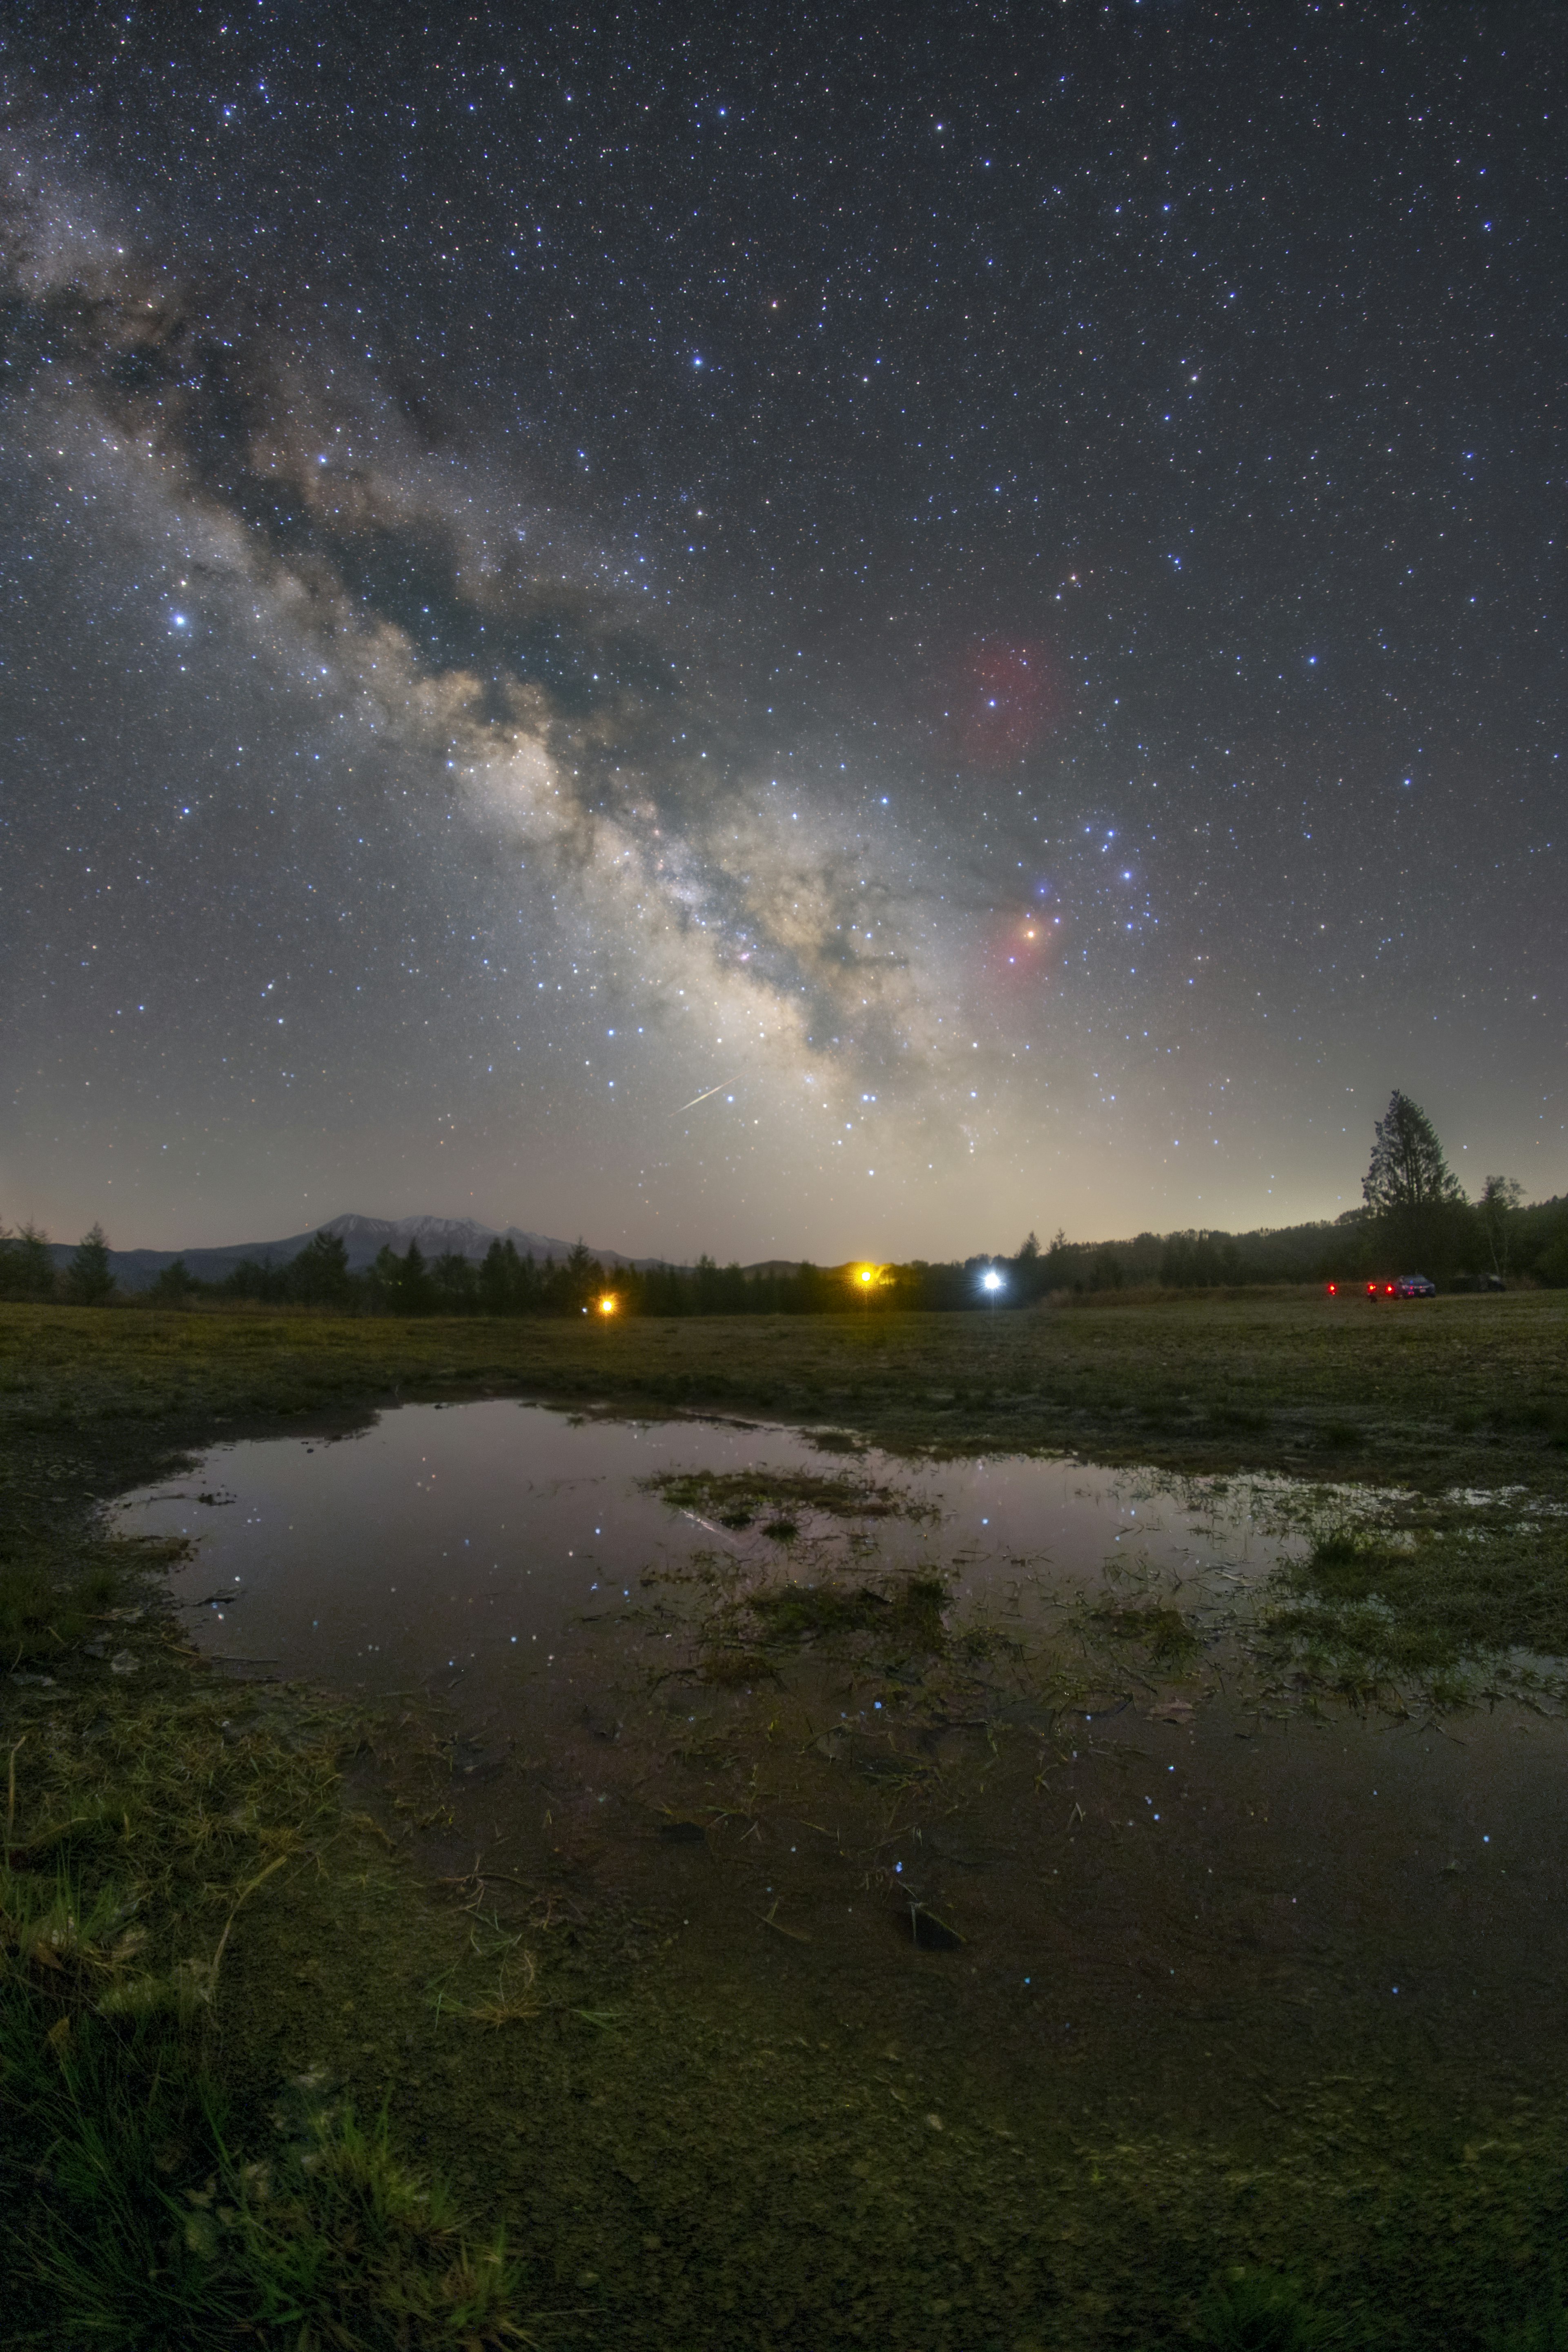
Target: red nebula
x=1001, y=702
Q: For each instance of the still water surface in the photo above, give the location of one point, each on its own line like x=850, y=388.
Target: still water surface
x=471, y=1540
x=1172, y=1887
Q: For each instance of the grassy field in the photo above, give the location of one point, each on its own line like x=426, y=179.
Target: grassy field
x=190, y=1904
x=1421, y=1392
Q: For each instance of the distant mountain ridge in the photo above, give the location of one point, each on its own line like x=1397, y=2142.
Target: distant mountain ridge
x=363, y=1237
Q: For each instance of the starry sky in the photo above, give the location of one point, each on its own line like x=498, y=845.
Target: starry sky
x=979, y=588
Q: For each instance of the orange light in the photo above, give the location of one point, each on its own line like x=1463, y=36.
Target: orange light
x=607, y=1306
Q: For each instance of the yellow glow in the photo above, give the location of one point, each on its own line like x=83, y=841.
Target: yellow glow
x=608, y=1305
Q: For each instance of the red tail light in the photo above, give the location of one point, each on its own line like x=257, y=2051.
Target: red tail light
x=1333, y=1289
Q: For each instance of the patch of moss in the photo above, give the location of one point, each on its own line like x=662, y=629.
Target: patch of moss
x=1162, y=1631
x=141, y=2205
x=910, y=1610
x=45, y=1613
x=737, y=1497
x=1423, y=1599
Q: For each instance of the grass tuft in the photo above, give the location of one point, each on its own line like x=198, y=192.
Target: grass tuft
x=1420, y=1601
x=1258, y=2311
x=1163, y=1632
x=908, y=1610
x=133, y=1842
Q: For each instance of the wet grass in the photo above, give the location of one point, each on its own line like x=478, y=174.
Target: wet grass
x=46, y=1610
x=1258, y=2311
x=146, y=2197
x=1414, y=1601
x=239, y=2043
x=737, y=1499
x=906, y=1612
x=1167, y=1636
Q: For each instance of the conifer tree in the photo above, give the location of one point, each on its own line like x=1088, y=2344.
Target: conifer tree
x=385, y=1273
x=89, y=1280
x=496, y=1285
x=1501, y=1197
x=415, y=1293
x=1407, y=1168
x=26, y=1263
x=320, y=1275
x=176, y=1285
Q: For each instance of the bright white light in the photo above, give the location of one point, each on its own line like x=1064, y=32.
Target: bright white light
x=991, y=1281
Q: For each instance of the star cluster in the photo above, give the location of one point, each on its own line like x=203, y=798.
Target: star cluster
x=776, y=636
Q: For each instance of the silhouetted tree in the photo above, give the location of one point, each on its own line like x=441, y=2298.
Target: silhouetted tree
x=415, y=1292
x=454, y=1279
x=497, y=1280
x=320, y=1275
x=1501, y=1196
x=1407, y=1169
x=176, y=1285
x=580, y=1278
x=26, y=1265
x=384, y=1279
x=257, y=1278
x=1419, y=1212
x=88, y=1281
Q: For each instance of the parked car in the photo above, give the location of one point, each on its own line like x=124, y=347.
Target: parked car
x=1414, y=1286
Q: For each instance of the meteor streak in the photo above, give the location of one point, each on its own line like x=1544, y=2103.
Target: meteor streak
x=703, y=1096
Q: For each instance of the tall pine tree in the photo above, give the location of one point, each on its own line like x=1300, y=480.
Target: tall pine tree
x=89, y=1279
x=1408, y=1170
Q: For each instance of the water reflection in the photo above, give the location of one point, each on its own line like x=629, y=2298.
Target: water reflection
x=1077, y=1835
x=469, y=1540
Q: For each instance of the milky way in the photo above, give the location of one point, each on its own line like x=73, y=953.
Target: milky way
x=984, y=596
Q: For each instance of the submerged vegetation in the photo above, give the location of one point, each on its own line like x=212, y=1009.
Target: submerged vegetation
x=738, y=1497
x=1417, y=1600
x=246, y=2031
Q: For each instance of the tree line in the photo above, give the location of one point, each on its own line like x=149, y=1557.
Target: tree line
x=1415, y=1218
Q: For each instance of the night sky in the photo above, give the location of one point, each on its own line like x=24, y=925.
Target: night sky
x=982, y=587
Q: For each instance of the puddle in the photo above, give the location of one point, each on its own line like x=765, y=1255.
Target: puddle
x=1074, y=1839
x=471, y=1541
